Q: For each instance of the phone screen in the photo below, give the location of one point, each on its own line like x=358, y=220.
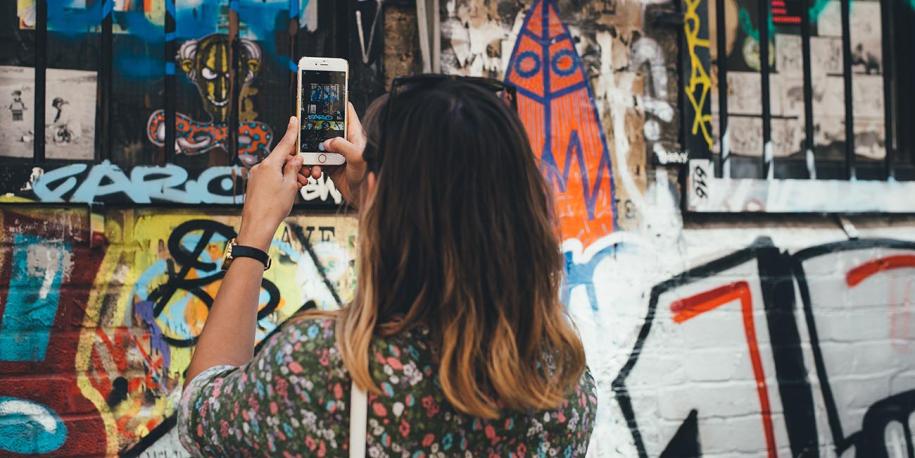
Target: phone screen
x=323, y=107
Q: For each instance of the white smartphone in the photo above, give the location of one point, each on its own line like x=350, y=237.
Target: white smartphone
x=322, y=107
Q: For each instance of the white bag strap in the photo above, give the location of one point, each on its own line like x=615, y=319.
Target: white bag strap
x=358, y=417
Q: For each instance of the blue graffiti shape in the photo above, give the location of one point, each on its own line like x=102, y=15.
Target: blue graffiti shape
x=69, y=17
x=582, y=274
x=144, y=310
x=262, y=20
x=29, y=427
x=134, y=55
x=200, y=19
x=37, y=272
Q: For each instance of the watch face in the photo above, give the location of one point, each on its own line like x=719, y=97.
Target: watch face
x=227, y=255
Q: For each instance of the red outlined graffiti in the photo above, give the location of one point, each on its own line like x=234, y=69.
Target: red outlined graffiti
x=855, y=276
x=693, y=306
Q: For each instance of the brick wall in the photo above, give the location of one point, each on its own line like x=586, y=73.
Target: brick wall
x=723, y=338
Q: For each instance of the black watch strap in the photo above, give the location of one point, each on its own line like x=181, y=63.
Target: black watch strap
x=241, y=251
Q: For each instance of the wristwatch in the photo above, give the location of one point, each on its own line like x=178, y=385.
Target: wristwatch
x=234, y=250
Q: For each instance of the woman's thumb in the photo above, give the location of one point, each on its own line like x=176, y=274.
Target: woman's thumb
x=342, y=146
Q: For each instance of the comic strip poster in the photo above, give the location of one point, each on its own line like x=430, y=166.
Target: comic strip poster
x=870, y=133
x=744, y=93
x=865, y=36
x=17, y=112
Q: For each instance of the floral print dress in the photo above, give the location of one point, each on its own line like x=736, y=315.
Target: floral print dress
x=291, y=400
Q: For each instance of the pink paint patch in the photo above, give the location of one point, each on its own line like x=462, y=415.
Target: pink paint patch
x=295, y=367
x=379, y=409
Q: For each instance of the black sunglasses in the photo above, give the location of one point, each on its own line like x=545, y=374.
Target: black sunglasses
x=373, y=155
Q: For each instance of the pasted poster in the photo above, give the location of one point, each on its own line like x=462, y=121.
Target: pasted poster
x=867, y=80
x=865, y=35
x=870, y=133
x=17, y=112
x=70, y=114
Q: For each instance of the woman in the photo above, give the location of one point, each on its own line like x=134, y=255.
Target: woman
x=456, y=330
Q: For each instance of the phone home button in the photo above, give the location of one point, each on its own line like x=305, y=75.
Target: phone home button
x=322, y=158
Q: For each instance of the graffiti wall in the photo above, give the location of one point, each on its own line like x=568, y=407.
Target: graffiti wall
x=711, y=336
x=102, y=313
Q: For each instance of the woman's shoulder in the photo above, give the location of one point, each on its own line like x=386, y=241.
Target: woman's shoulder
x=319, y=326
x=306, y=343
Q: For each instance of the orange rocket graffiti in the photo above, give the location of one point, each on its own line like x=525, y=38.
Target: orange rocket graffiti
x=556, y=105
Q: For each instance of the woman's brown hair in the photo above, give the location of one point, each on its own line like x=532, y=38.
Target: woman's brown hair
x=459, y=237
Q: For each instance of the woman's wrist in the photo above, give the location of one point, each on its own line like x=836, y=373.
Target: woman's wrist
x=257, y=238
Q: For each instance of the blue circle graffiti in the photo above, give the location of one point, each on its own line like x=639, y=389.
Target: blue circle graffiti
x=29, y=427
x=525, y=59
x=567, y=66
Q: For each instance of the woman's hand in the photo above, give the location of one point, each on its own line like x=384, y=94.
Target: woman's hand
x=271, y=191
x=346, y=177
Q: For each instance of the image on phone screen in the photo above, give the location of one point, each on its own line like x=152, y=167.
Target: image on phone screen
x=323, y=107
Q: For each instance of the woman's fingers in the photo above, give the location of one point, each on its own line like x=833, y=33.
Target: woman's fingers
x=313, y=171
x=292, y=167
x=351, y=152
x=286, y=146
x=354, y=131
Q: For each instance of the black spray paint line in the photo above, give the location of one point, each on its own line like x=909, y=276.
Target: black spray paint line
x=840, y=440
x=777, y=286
x=154, y=435
x=619, y=383
x=191, y=260
x=300, y=235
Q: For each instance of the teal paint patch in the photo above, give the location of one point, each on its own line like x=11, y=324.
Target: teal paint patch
x=29, y=427
x=33, y=298
x=746, y=24
x=817, y=9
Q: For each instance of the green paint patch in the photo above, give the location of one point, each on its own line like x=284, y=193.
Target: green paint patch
x=817, y=9
x=746, y=24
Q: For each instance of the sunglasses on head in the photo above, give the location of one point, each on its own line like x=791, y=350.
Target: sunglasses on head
x=373, y=154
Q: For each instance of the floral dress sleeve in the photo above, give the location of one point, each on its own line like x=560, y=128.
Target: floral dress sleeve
x=290, y=396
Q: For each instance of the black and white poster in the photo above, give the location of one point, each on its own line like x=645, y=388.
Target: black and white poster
x=70, y=114
x=17, y=112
